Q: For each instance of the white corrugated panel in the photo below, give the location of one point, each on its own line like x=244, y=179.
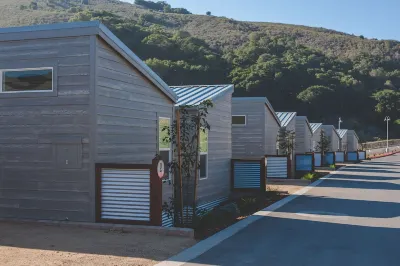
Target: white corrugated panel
x=276, y=167
x=317, y=159
x=125, y=194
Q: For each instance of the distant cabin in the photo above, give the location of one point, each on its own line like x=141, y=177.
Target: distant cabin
x=255, y=127
x=303, y=135
x=73, y=95
x=216, y=144
x=343, y=146
x=352, y=141
x=333, y=137
x=316, y=135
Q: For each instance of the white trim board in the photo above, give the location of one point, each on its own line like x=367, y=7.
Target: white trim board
x=207, y=244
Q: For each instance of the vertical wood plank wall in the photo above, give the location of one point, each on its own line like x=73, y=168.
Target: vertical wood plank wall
x=128, y=107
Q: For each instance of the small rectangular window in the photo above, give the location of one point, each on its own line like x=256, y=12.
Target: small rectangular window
x=239, y=120
x=27, y=80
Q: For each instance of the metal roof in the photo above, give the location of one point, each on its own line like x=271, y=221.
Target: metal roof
x=85, y=28
x=261, y=100
x=196, y=94
x=285, y=117
x=341, y=132
x=315, y=126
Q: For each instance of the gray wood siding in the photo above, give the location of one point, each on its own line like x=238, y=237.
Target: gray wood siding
x=31, y=186
x=315, y=138
x=249, y=141
x=303, y=136
x=352, y=141
x=271, y=132
x=217, y=184
x=128, y=107
x=333, y=137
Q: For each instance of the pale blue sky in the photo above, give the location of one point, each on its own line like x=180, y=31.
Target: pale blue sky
x=371, y=18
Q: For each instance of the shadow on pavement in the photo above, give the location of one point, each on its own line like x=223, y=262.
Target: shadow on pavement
x=275, y=241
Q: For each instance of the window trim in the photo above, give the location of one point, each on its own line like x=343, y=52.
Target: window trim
x=240, y=125
x=26, y=91
x=205, y=153
x=170, y=144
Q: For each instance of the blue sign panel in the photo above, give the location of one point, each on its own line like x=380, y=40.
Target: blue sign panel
x=352, y=156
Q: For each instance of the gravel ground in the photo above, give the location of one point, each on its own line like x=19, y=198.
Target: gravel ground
x=33, y=244
x=289, y=186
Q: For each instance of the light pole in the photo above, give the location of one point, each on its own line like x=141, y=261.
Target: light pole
x=387, y=119
x=340, y=121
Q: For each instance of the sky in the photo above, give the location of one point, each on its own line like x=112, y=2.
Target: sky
x=370, y=18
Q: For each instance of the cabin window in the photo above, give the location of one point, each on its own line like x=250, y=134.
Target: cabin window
x=27, y=80
x=203, y=154
x=164, y=144
x=239, y=120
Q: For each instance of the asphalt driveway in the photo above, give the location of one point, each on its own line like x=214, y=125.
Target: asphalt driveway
x=352, y=218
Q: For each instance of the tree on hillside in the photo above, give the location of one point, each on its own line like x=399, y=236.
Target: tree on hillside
x=388, y=102
x=208, y=13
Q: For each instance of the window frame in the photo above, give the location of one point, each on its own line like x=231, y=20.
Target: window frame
x=2, y=71
x=170, y=144
x=240, y=125
x=204, y=153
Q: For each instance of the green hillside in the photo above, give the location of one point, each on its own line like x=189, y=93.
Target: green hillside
x=318, y=72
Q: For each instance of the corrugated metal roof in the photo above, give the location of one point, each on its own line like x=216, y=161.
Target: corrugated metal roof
x=285, y=117
x=85, y=28
x=341, y=132
x=196, y=94
x=315, y=126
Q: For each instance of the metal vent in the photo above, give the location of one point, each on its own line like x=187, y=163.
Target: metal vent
x=125, y=194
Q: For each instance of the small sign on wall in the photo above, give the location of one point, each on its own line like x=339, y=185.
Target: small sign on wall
x=160, y=169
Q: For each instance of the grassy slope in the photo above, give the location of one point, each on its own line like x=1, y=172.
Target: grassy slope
x=218, y=31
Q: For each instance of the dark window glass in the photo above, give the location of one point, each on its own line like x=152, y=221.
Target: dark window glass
x=166, y=160
x=28, y=80
x=238, y=120
x=203, y=165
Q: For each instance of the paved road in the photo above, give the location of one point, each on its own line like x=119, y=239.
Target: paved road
x=350, y=219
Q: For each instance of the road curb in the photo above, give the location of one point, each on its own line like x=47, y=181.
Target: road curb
x=207, y=244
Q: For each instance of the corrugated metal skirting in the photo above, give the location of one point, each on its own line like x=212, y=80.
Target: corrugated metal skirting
x=202, y=208
x=276, y=167
x=125, y=194
x=247, y=175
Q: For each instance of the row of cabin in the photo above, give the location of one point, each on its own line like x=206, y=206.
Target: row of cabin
x=74, y=97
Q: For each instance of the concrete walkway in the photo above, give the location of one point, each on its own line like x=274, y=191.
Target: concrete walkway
x=352, y=218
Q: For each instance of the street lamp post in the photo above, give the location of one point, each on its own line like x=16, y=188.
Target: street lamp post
x=387, y=119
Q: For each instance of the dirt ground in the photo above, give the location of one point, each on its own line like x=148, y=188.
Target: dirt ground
x=289, y=186
x=33, y=244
